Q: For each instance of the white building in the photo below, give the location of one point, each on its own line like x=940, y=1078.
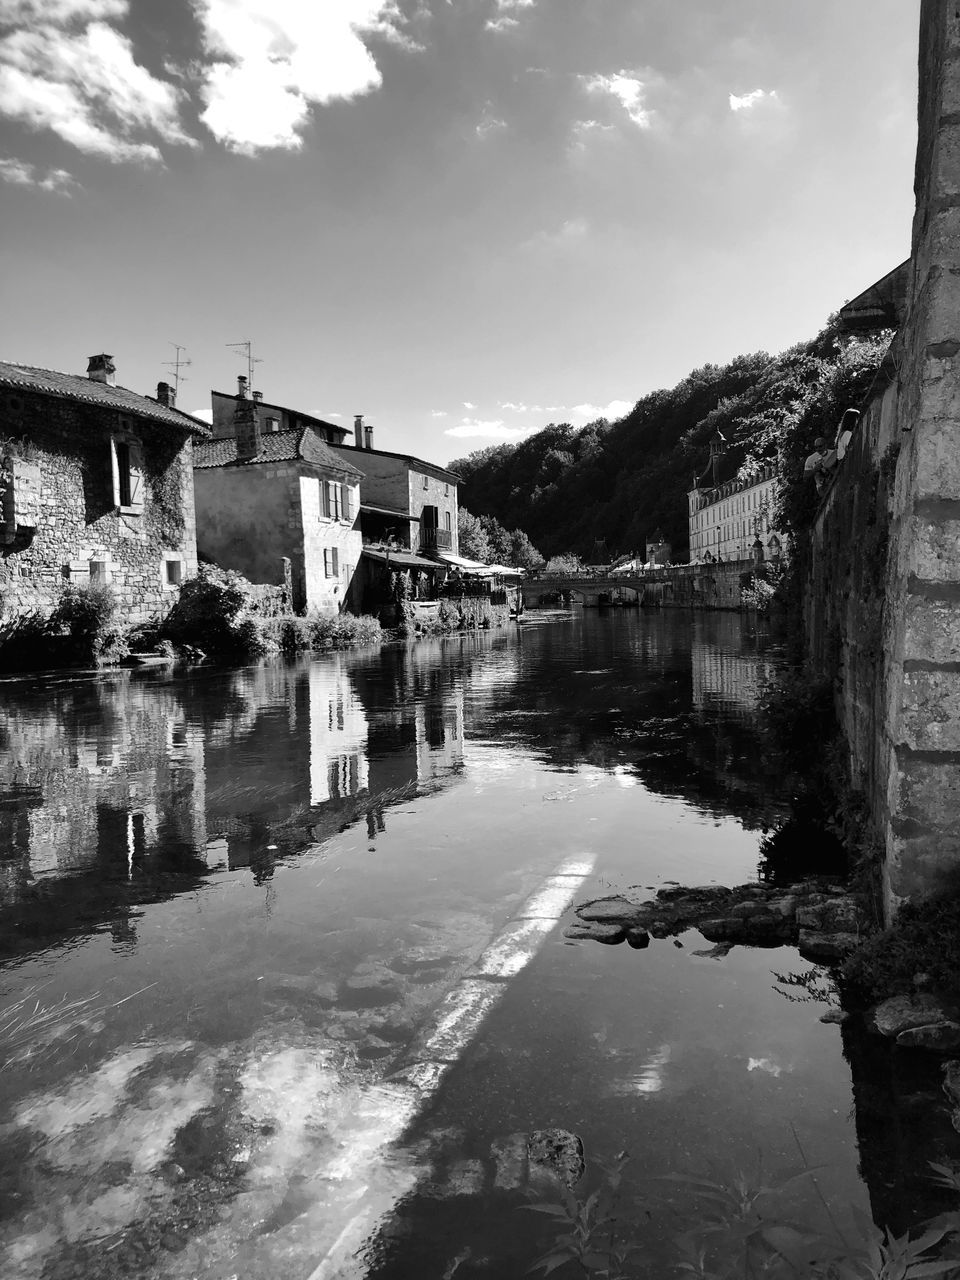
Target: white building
x=727, y=520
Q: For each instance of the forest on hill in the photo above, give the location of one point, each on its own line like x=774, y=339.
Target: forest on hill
x=598, y=491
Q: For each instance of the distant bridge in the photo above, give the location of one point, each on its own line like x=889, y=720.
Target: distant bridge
x=585, y=589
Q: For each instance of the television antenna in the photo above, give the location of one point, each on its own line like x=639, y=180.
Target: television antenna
x=245, y=349
x=176, y=364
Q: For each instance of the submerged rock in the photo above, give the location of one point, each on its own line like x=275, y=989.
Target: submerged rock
x=942, y=1037
x=900, y=1013
x=826, y=946
x=835, y=1015
x=558, y=1152
x=595, y=931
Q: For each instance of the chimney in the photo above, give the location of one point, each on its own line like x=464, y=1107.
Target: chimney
x=368, y=435
x=166, y=395
x=241, y=387
x=246, y=427
x=258, y=396
x=358, y=429
x=102, y=369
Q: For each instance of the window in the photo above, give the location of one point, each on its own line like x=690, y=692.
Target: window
x=446, y=520
x=331, y=567
x=126, y=459
x=330, y=494
x=446, y=491
x=99, y=573
x=426, y=482
x=273, y=425
x=346, y=503
x=173, y=572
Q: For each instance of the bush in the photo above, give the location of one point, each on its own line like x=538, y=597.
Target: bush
x=924, y=940
x=342, y=631
x=87, y=616
x=212, y=613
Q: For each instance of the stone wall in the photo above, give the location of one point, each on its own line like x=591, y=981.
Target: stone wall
x=699, y=586
x=883, y=592
x=77, y=521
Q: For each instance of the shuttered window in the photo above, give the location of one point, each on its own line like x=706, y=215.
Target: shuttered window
x=346, y=502
x=331, y=567
x=126, y=459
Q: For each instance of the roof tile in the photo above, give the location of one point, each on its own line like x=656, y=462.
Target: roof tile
x=278, y=446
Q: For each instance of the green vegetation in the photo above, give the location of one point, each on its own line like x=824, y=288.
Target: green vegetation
x=487, y=540
x=82, y=630
x=740, y=1225
x=600, y=489
x=318, y=632
x=924, y=941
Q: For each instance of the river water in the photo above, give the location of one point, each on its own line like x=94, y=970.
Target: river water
x=283, y=984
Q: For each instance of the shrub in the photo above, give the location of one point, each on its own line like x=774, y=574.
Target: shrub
x=924, y=940
x=212, y=614
x=289, y=633
x=87, y=615
x=343, y=630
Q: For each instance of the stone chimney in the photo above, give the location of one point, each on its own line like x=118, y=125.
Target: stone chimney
x=258, y=396
x=358, y=430
x=102, y=369
x=241, y=387
x=246, y=426
x=166, y=395
x=368, y=435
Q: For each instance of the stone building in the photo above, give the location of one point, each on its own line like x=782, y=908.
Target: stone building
x=280, y=505
x=733, y=519
x=97, y=487
x=404, y=498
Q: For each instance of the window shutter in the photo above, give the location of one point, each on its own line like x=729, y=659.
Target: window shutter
x=334, y=556
x=114, y=471
x=325, y=498
x=345, y=511
x=326, y=562
x=137, y=487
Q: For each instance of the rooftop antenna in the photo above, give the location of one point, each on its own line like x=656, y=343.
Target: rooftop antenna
x=246, y=348
x=176, y=364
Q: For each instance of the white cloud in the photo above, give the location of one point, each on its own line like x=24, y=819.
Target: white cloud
x=505, y=18
x=438, y=413
x=489, y=123
x=751, y=101
x=615, y=409
x=497, y=430
x=584, y=130
x=511, y=407
x=272, y=60
x=468, y=404
x=20, y=174
x=570, y=233
x=629, y=92
x=79, y=78
x=205, y=415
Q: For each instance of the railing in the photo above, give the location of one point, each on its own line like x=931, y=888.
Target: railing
x=436, y=540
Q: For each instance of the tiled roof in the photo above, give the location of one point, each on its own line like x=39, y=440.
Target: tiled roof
x=76, y=387
x=419, y=464
x=276, y=446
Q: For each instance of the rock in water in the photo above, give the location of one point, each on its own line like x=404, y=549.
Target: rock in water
x=595, y=931
x=835, y=1014
x=941, y=1037
x=897, y=1014
x=557, y=1151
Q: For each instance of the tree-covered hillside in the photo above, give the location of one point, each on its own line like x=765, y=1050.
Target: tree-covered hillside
x=600, y=490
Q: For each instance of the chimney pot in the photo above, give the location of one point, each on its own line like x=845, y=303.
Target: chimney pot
x=368, y=433
x=258, y=396
x=101, y=368
x=166, y=395
x=358, y=430
x=241, y=387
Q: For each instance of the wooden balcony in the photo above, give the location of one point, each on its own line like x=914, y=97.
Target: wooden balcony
x=435, y=540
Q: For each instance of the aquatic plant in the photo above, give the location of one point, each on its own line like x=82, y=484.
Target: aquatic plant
x=588, y=1229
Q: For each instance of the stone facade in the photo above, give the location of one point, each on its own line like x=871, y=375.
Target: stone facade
x=726, y=521
x=883, y=598
x=64, y=520
x=424, y=496
x=265, y=515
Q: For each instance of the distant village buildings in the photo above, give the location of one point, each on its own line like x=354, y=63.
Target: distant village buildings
x=97, y=488
x=733, y=519
x=278, y=504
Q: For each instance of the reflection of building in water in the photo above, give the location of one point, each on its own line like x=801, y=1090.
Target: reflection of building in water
x=338, y=734
x=727, y=669
x=93, y=776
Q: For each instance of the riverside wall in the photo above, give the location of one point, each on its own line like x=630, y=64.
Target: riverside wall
x=882, y=602
x=699, y=586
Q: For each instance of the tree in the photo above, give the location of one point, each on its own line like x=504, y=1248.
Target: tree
x=473, y=540
x=523, y=554
x=565, y=564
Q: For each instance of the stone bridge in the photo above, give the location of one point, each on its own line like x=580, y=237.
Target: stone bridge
x=583, y=589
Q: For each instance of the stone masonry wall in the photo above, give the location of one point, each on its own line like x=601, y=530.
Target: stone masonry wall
x=77, y=520
x=899, y=683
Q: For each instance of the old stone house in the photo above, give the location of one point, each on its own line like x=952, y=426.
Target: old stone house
x=97, y=487
x=279, y=504
x=732, y=519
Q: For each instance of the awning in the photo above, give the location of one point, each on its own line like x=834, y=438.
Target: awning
x=400, y=559
x=507, y=570
x=474, y=567
x=388, y=511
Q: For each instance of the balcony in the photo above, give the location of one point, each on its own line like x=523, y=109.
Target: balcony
x=435, y=540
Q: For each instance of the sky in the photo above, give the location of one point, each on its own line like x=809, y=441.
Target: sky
x=462, y=218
